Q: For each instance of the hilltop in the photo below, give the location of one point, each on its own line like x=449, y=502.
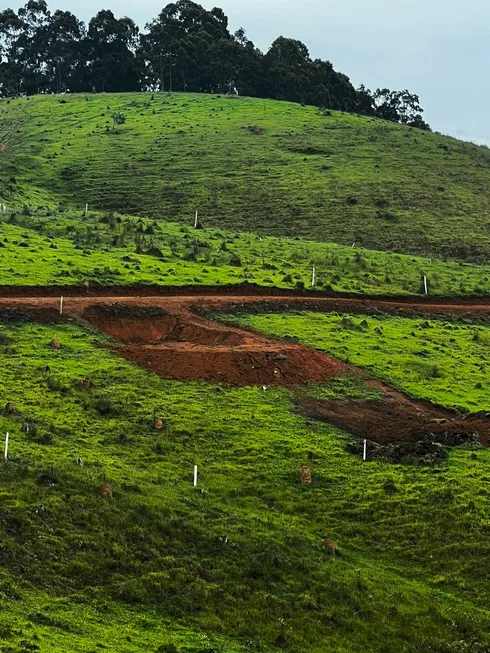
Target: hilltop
x=269, y=167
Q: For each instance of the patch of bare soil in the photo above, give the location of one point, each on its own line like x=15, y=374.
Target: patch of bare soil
x=236, y=365
x=184, y=346
x=401, y=429
x=164, y=334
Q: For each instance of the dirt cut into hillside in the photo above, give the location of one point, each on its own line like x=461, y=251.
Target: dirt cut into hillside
x=395, y=418
x=185, y=346
x=174, y=338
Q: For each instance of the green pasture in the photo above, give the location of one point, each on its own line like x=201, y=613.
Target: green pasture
x=268, y=167
x=45, y=248
x=236, y=564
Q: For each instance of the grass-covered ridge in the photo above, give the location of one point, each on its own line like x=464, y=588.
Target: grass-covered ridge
x=239, y=566
x=439, y=359
x=250, y=165
x=53, y=248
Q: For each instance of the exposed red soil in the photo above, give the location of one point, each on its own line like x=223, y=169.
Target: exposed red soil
x=185, y=346
x=206, y=299
x=396, y=418
x=254, y=364
x=244, y=291
x=159, y=329
x=163, y=334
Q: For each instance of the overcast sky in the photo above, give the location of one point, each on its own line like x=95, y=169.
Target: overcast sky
x=438, y=49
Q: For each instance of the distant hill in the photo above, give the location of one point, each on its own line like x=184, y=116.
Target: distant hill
x=247, y=164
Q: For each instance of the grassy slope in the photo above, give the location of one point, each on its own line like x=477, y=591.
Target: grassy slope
x=334, y=178
x=149, y=569
x=446, y=361
x=66, y=249
x=79, y=573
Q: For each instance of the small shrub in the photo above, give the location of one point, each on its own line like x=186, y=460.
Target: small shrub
x=118, y=118
x=435, y=372
x=105, y=406
x=55, y=384
x=235, y=260
x=167, y=648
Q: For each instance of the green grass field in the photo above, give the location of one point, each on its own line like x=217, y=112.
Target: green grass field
x=337, y=178
x=237, y=564
x=67, y=248
x=438, y=359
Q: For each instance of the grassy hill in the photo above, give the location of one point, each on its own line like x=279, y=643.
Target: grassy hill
x=250, y=165
x=236, y=564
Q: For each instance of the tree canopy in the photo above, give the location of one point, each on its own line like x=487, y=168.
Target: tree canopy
x=185, y=48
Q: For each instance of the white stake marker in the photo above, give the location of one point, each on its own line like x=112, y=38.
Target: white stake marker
x=313, y=277
x=6, y=446
x=61, y=305
x=195, y=222
x=195, y=475
x=86, y=210
x=364, y=453
x=425, y=284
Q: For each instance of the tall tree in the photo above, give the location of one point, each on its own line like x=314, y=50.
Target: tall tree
x=287, y=70
x=112, y=61
x=65, y=54
x=11, y=30
x=179, y=46
x=399, y=106
x=35, y=17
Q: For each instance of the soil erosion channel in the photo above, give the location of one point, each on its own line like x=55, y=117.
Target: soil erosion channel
x=170, y=337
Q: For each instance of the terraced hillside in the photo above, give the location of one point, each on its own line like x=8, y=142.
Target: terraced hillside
x=250, y=164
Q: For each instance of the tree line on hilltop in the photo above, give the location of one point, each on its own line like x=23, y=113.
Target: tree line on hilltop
x=186, y=48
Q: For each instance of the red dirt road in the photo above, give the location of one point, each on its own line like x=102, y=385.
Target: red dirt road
x=76, y=300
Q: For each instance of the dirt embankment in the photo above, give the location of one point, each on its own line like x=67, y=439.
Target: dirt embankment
x=244, y=291
x=389, y=419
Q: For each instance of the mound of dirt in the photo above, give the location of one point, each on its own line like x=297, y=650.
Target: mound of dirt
x=426, y=451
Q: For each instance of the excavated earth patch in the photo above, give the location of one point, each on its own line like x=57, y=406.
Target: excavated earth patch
x=165, y=335
x=399, y=428
x=185, y=346
x=389, y=420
